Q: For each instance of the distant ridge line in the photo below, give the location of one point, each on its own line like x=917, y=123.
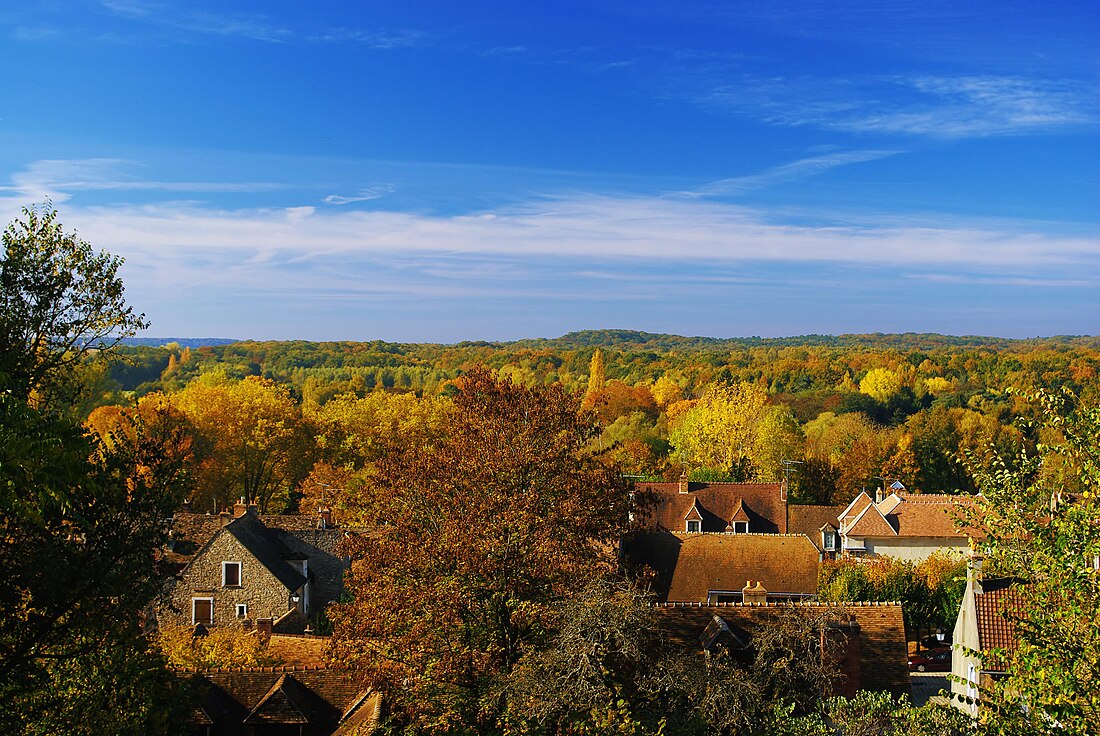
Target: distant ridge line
x=183, y=342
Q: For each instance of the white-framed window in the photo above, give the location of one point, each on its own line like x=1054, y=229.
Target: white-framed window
x=242, y=610
x=231, y=574
x=828, y=540
x=740, y=527
x=202, y=611
x=694, y=526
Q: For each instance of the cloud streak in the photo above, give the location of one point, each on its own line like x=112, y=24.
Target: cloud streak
x=55, y=178
x=793, y=171
x=926, y=106
x=581, y=227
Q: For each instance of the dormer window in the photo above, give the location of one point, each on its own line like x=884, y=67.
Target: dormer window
x=740, y=527
x=828, y=540
x=694, y=526
x=231, y=574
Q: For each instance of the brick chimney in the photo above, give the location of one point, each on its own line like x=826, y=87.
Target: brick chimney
x=685, y=486
x=324, y=518
x=880, y=495
x=754, y=594
x=264, y=626
x=240, y=508
x=841, y=646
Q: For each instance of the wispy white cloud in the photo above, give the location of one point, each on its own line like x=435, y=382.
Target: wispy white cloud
x=184, y=17
x=930, y=106
x=364, y=195
x=583, y=227
x=793, y=171
x=56, y=179
x=181, y=17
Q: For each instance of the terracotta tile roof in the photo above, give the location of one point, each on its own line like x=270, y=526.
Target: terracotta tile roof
x=285, y=702
x=871, y=523
x=855, y=508
x=1000, y=604
x=764, y=504
x=923, y=517
x=298, y=650
x=808, y=520
x=321, y=698
x=883, y=652
x=688, y=566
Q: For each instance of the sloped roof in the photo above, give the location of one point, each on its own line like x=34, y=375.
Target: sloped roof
x=323, y=696
x=688, y=566
x=998, y=606
x=285, y=702
x=855, y=508
x=739, y=513
x=808, y=520
x=930, y=517
x=883, y=651
x=694, y=513
x=889, y=503
x=666, y=508
x=266, y=547
x=871, y=523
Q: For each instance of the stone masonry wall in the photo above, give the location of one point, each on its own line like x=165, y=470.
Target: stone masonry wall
x=265, y=596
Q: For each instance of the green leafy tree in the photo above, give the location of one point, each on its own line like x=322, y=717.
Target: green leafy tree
x=80, y=518
x=1040, y=514
x=60, y=302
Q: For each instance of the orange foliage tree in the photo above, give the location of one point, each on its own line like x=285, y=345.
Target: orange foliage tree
x=479, y=536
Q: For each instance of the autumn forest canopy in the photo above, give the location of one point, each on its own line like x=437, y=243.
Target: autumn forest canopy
x=831, y=414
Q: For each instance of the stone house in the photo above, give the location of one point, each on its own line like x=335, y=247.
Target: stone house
x=243, y=569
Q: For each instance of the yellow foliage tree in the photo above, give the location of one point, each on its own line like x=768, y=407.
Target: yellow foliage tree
x=880, y=384
x=218, y=647
x=720, y=431
x=597, y=377
x=666, y=391
x=252, y=440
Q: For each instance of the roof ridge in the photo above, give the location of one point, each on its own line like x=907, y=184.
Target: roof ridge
x=739, y=534
x=779, y=604
x=268, y=669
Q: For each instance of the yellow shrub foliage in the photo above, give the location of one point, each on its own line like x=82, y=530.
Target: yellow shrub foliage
x=218, y=648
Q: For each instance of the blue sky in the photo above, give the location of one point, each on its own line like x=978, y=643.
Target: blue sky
x=441, y=171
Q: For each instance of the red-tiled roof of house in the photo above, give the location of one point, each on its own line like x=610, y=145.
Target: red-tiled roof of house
x=856, y=507
x=298, y=649
x=689, y=566
x=809, y=519
x=666, y=507
x=921, y=518
x=323, y=698
x=883, y=651
x=871, y=523
x=1000, y=604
